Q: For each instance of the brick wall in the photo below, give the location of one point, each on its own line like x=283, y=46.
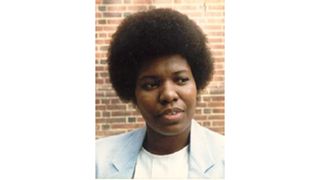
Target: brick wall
x=113, y=116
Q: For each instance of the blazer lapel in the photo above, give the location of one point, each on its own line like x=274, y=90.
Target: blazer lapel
x=201, y=159
x=124, y=161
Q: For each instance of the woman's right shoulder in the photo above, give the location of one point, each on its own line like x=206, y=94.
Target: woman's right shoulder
x=107, y=147
x=115, y=141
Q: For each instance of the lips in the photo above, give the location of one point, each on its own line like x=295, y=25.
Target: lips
x=171, y=114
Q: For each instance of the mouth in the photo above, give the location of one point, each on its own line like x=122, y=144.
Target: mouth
x=171, y=114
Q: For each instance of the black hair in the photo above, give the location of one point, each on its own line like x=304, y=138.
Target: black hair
x=151, y=34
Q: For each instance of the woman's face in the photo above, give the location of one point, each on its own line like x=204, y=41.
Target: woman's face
x=166, y=95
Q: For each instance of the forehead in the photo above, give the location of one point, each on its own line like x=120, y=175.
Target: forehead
x=165, y=64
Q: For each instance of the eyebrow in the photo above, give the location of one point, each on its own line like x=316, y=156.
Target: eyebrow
x=147, y=77
x=156, y=77
x=181, y=71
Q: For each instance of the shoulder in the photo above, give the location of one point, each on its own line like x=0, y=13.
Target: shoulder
x=213, y=140
x=117, y=148
x=213, y=136
x=112, y=140
x=210, y=135
x=113, y=143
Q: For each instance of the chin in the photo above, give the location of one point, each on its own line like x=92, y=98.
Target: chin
x=173, y=130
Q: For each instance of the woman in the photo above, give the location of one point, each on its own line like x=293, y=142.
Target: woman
x=159, y=61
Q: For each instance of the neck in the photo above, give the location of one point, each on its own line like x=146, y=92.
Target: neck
x=157, y=143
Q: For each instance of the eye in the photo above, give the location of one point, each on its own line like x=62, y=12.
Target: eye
x=182, y=80
x=149, y=85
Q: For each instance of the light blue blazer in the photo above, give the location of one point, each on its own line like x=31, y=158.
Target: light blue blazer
x=116, y=156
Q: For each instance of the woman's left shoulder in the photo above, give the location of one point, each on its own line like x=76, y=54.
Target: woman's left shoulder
x=208, y=134
x=212, y=135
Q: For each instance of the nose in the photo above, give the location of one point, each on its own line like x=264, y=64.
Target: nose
x=168, y=93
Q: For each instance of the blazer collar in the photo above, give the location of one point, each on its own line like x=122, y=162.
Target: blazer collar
x=201, y=159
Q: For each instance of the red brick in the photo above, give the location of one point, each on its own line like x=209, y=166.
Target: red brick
x=116, y=107
x=99, y=95
x=105, y=126
x=100, y=107
x=116, y=8
x=110, y=93
x=162, y=1
x=103, y=74
x=125, y=126
x=105, y=114
x=98, y=15
x=216, y=7
x=206, y=123
x=218, y=53
x=115, y=101
x=98, y=101
x=216, y=104
x=219, y=66
x=217, y=46
x=186, y=1
x=216, y=33
x=213, y=27
x=111, y=14
x=131, y=119
x=102, y=35
x=102, y=41
x=114, y=21
x=186, y=7
x=138, y=8
x=207, y=111
x=140, y=119
x=102, y=8
x=141, y=1
x=217, y=123
x=110, y=28
x=99, y=28
x=216, y=40
x=217, y=117
x=215, y=14
x=99, y=81
x=200, y=117
x=219, y=72
x=218, y=110
x=214, y=1
x=116, y=120
x=119, y=113
x=194, y=14
x=112, y=132
x=111, y=1
x=101, y=21
x=218, y=78
x=100, y=120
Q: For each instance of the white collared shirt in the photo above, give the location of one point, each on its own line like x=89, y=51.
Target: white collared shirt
x=173, y=165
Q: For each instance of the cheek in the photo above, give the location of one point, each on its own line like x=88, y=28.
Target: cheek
x=191, y=94
x=191, y=98
x=145, y=103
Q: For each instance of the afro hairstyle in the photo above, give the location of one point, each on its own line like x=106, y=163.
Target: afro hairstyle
x=151, y=34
